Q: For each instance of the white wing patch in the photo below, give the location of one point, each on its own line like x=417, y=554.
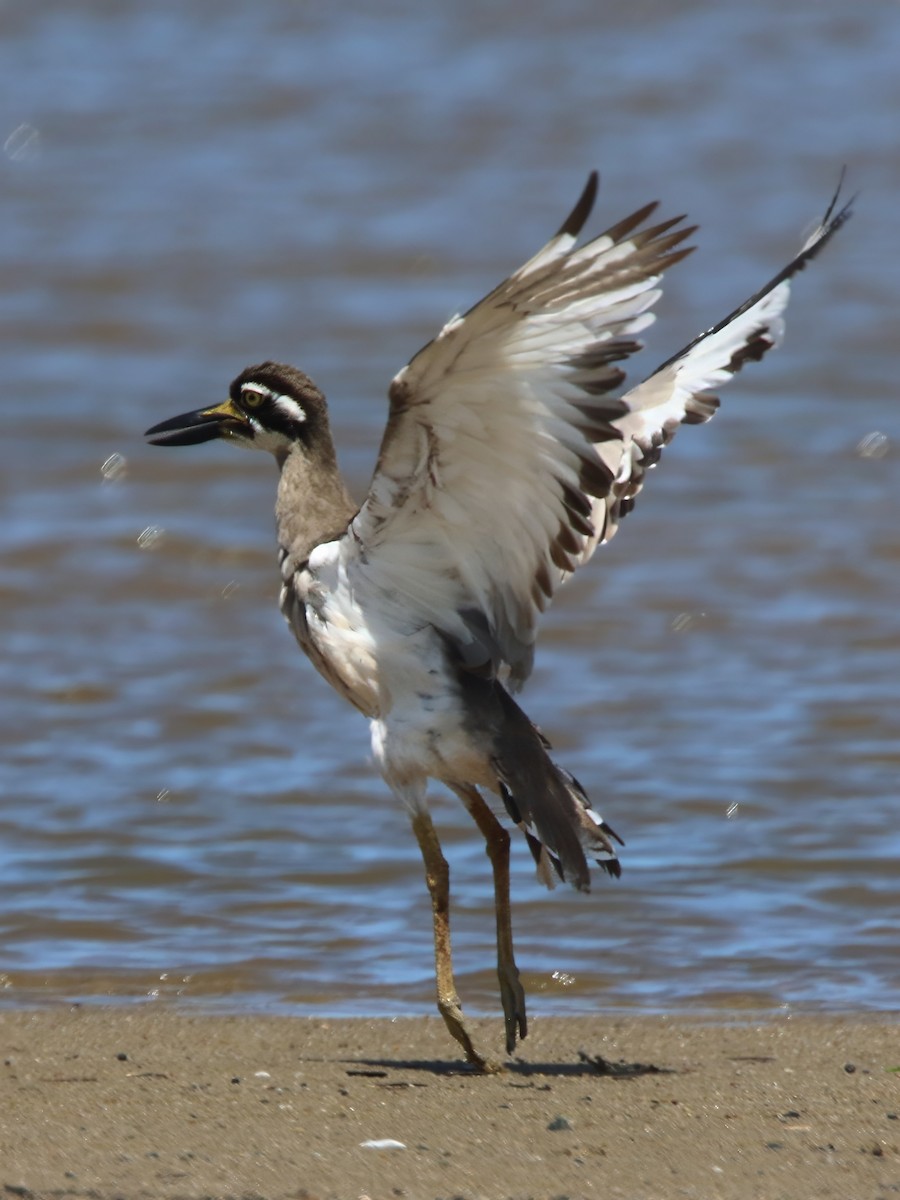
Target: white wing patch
x=678, y=392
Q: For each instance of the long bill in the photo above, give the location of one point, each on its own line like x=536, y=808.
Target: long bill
x=202, y=425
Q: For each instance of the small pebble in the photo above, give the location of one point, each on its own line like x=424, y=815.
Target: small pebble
x=850, y=1068
x=122, y=1057
x=559, y=1124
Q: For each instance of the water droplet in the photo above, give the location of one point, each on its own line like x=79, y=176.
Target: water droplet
x=874, y=445
x=562, y=978
x=23, y=144
x=687, y=620
x=115, y=468
x=149, y=538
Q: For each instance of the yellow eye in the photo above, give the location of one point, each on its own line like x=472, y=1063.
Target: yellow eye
x=253, y=395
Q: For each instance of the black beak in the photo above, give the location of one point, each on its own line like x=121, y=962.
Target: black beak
x=200, y=426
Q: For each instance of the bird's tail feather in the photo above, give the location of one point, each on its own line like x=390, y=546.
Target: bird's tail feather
x=548, y=804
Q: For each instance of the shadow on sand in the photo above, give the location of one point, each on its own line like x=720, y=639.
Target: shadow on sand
x=588, y=1066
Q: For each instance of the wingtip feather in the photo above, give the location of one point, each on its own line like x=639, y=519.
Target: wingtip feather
x=574, y=222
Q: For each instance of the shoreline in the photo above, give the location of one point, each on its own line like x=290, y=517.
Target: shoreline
x=149, y=1102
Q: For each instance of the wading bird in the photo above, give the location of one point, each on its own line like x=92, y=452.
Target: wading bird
x=507, y=459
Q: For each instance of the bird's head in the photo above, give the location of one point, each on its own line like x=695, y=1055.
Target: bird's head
x=269, y=407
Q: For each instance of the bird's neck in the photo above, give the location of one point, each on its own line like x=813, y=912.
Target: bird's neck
x=313, y=504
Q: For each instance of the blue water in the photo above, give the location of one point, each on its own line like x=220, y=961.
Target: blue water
x=187, y=812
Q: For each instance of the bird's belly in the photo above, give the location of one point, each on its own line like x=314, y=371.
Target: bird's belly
x=422, y=731
x=364, y=657
x=398, y=677
x=412, y=745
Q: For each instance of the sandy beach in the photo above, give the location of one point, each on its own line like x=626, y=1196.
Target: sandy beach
x=144, y=1102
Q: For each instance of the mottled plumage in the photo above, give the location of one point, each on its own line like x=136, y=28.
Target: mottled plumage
x=507, y=459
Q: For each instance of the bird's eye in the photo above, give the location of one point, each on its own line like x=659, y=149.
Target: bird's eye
x=253, y=396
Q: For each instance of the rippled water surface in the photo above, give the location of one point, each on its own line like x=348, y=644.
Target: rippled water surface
x=187, y=810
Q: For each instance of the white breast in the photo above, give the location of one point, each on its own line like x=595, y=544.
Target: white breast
x=339, y=629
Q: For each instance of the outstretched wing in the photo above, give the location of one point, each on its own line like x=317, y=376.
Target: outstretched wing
x=677, y=392
x=492, y=455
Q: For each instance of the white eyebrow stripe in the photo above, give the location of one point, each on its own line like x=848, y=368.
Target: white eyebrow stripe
x=286, y=406
x=290, y=408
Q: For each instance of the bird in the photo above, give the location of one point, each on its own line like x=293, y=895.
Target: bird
x=510, y=454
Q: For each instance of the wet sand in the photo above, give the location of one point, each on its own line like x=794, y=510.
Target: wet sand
x=146, y=1102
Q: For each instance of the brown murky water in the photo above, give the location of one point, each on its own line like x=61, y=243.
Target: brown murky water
x=185, y=188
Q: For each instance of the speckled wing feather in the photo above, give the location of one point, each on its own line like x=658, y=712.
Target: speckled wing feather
x=493, y=452
x=677, y=393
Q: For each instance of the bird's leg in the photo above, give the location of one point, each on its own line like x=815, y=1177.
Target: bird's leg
x=437, y=876
x=512, y=994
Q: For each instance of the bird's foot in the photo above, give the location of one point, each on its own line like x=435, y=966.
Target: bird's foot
x=512, y=996
x=451, y=1010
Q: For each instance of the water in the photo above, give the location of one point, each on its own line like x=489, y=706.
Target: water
x=187, y=811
